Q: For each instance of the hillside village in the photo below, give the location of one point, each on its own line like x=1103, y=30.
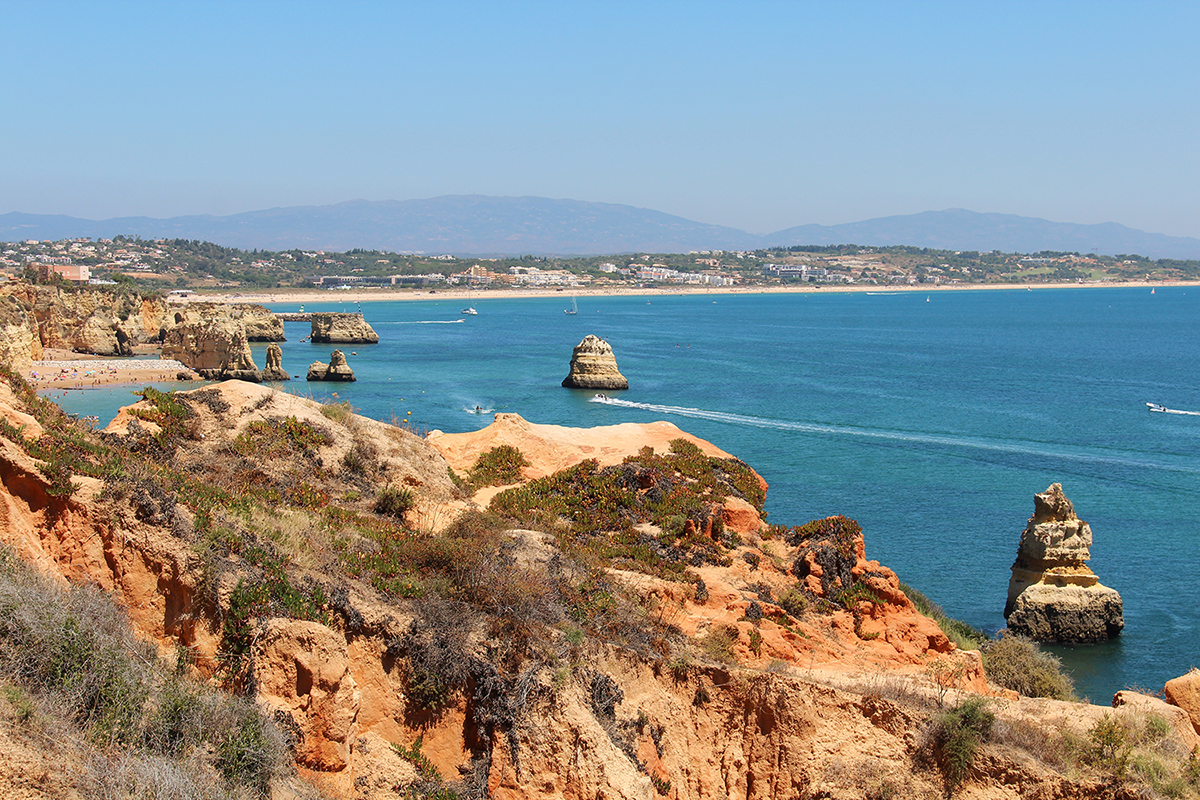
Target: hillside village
x=172, y=264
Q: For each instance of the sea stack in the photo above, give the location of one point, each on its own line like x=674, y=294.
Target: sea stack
x=593, y=366
x=1053, y=596
x=336, y=370
x=274, y=370
x=342, y=329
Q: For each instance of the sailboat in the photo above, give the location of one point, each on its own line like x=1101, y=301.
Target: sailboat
x=574, y=309
x=470, y=309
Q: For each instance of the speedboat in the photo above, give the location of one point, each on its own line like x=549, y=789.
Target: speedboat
x=1156, y=407
x=600, y=396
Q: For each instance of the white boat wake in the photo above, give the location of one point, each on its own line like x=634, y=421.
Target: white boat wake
x=478, y=410
x=1165, y=410
x=975, y=443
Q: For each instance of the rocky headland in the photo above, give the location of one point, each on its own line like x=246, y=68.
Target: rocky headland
x=593, y=366
x=1053, y=596
x=612, y=617
x=205, y=336
x=260, y=323
x=217, y=349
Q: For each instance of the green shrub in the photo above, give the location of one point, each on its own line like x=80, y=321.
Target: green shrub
x=1016, y=663
x=794, y=601
x=958, y=734
x=499, y=466
x=393, y=501
x=1109, y=746
x=249, y=749
x=73, y=650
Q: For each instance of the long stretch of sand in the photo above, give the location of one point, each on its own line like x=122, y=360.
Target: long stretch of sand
x=462, y=294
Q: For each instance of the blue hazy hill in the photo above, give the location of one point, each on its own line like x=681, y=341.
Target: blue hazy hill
x=483, y=225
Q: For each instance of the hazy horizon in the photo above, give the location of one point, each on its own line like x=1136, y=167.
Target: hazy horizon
x=758, y=116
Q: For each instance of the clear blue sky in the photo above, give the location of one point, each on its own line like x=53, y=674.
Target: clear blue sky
x=758, y=115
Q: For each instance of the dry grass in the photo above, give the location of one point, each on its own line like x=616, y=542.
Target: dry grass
x=147, y=732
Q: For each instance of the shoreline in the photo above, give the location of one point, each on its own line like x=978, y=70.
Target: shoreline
x=67, y=370
x=364, y=295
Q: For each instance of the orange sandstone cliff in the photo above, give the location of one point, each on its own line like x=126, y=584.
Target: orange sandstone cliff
x=790, y=666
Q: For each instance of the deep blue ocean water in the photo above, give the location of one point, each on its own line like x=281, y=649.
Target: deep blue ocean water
x=931, y=419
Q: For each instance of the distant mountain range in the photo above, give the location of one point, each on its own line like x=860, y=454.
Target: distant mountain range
x=481, y=225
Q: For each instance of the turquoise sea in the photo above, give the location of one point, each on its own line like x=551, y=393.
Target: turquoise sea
x=932, y=419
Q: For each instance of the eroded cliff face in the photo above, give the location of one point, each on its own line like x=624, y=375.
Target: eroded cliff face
x=804, y=704
x=259, y=322
x=217, y=349
x=20, y=344
x=89, y=320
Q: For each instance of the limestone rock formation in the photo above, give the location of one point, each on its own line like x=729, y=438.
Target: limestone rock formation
x=260, y=322
x=831, y=706
x=336, y=370
x=1053, y=596
x=1184, y=692
x=593, y=366
x=216, y=349
x=20, y=345
x=274, y=370
x=342, y=329
x=301, y=669
x=88, y=320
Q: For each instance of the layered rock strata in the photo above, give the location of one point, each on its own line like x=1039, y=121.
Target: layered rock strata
x=342, y=329
x=216, y=349
x=20, y=345
x=593, y=366
x=1053, y=596
x=89, y=321
x=336, y=370
x=261, y=324
x=274, y=370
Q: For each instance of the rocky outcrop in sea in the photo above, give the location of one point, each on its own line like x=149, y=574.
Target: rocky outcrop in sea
x=274, y=370
x=1053, y=596
x=336, y=370
x=593, y=366
x=342, y=329
x=217, y=349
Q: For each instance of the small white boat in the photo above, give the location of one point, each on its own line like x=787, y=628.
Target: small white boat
x=574, y=309
x=1157, y=407
x=469, y=310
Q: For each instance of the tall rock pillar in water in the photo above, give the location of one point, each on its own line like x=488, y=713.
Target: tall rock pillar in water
x=593, y=366
x=1053, y=596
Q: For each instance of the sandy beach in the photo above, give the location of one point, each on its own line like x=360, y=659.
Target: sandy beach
x=64, y=369
x=367, y=295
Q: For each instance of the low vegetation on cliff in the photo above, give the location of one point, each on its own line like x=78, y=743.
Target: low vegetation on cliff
x=617, y=604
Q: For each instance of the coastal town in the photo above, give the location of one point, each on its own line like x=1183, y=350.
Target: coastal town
x=164, y=265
